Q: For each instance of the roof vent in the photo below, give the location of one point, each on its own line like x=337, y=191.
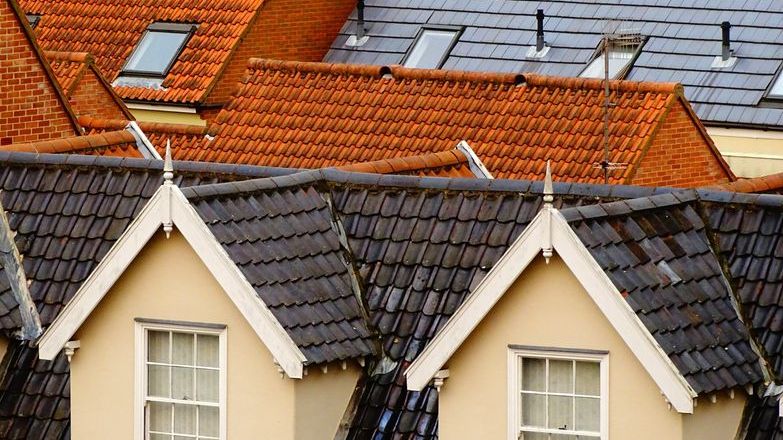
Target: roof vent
x=726, y=58
x=541, y=48
x=361, y=36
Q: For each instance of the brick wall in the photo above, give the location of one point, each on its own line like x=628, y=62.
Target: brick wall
x=29, y=107
x=292, y=30
x=91, y=98
x=679, y=156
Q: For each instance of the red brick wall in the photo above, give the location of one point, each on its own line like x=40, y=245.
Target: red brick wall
x=291, y=30
x=29, y=107
x=679, y=156
x=90, y=98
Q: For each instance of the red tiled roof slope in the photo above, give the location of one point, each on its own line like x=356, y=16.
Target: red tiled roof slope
x=451, y=163
x=181, y=136
x=32, y=105
x=120, y=143
x=313, y=115
x=110, y=30
x=87, y=90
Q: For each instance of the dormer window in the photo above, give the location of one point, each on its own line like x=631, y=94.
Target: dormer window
x=33, y=19
x=158, y=49
x=622, y=51
x=431, y=48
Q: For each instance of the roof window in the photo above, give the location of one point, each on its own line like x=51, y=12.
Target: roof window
x=622, y=50
x=33, y=19
x=431, y=48
x=776, y=91
x=158, y=49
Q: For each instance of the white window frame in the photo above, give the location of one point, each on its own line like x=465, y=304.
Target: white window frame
x=515, y=352
x=140, y=379
x=456, y=34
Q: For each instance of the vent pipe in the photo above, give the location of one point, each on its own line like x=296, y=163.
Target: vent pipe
x=540, y=30
x=360, y=19
x=726, y=48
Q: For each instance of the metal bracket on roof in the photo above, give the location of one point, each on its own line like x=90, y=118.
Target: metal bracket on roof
x=546, y=247
x=353, y=41
x=168, y=182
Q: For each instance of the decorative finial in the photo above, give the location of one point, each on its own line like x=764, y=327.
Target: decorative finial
x=548, y=192
x=168, y=166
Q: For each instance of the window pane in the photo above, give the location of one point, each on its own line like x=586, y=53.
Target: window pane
x=158, y=346
x=777, y=87
x=534, y=410
x=184, y=419
x=208, y=352
x=155, y=51
x=588, y=378
x=588, y=414
x=160, y=437
x=561, y=376
x=208, y=421
x=182, y=383
x=430, y=49
x=619, y=57
x=160, y=416
x=158, y=381
x=207, y=385
x=561, y=412
x=182, y=348
x=534, y=436
x=534, y=374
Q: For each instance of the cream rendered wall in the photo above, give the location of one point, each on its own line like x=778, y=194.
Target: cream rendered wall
x=168, y=281
x=715, y=421
x=167, y=117
x=749, y=153
x=547, y=307
x=322, y=398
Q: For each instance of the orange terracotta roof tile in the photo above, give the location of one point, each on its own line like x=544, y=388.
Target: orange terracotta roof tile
x=313, y=115
x=451, y=163
x=120, y=143
x=182, y=136
x=769, y=184
x=110, y=30
x=68, y=67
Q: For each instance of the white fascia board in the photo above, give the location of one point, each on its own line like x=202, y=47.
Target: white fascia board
x=212, y=254
x=476, y=306
x=594, y=280
x=234, y=283
x=143, y=142
x=119, y=257
x=622, y=317
x=474, y=163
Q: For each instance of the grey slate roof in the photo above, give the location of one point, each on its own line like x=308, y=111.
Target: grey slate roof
x=417, y=247
x=683, y=38
x=287, y=245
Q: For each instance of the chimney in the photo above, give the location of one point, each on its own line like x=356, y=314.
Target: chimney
x=540, y=30
x=360, y=19
x=726, y=48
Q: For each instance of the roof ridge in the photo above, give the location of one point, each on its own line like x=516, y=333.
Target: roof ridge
x=68, y=56
x=769, y=182
x=316, y=67
x=159, y=127
x=438, y=159
x=71, y=144
x=630, y=205
x=625, y=86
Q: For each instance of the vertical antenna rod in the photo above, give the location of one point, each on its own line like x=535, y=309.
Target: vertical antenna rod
x=605, y=163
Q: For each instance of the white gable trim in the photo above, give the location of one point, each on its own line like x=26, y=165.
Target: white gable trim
x=594, y=280
x=169, y=201
x=474, y=163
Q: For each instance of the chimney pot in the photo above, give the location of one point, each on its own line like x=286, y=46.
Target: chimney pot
x=540, y=43
x=360, y=19
x=726, y=47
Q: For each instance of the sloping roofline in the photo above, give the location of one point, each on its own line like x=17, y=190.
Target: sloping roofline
x=167, y=208
x=550, y=231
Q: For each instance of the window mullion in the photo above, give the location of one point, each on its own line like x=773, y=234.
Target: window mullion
x=546, y=396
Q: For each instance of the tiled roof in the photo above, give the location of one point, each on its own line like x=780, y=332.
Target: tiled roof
x=769, y=184
x=181, y=136
x=288, y=247
x=451, y=163
x=110, y=30
x=312, y=115
x=88, y=91
x=657, y=252
x=120, y=143
x=763, y=422
x=682, y=41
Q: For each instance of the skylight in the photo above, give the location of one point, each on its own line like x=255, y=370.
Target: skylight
x=621, y=54
x=158, y=48
x=33, y=19
x=776, y=91
x=431, y=48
